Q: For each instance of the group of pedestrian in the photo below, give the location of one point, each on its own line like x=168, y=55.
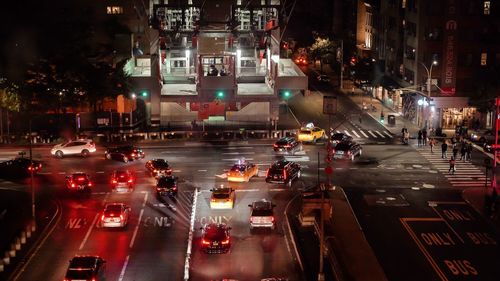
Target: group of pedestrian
x=465, y=152
x=422, y=137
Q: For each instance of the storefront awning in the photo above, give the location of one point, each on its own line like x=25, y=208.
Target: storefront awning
x=450, y=102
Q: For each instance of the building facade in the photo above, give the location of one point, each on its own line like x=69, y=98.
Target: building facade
x=435, y=51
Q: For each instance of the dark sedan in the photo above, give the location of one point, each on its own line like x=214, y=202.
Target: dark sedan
x=215, y=238
x=124, y=153
x=158, y=167
x=347, y=150
x=339, y=137
x=166, y=185
x=19, y=167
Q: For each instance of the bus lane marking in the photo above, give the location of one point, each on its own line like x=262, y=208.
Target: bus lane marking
x=421, y=246
x=132, y=241
x=122, y=273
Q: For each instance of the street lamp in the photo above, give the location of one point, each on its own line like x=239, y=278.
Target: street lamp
x=134, y=96
x=429, y=88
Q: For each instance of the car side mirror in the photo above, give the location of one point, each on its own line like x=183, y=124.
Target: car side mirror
x=250, y=205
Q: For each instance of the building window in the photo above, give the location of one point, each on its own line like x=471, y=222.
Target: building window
x=486, y=8
x=484, y=58
x=114, y=10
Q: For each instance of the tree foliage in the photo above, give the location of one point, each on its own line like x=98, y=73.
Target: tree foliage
x=323, y=49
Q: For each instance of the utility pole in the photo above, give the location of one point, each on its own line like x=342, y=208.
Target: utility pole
x=31, y=173
x=427, y=102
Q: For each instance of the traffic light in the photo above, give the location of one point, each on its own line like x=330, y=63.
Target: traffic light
x=144, y=93
x=219, y=94
x=285, y=94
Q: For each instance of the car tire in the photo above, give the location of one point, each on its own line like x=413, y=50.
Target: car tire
x=59, y=154
x=125, y=159
x=85, y=153
x=108, y=156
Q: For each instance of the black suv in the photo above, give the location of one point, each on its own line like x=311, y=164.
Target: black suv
x=124, y=153
x=287, y=145
x=283, y=171
x=166, y=185
x=86, y=268
x=339, y=137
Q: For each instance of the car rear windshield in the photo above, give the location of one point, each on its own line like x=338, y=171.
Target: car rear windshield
x=262, y=212
x=283, y=142
x=221, y=195
x=84, y=274
x=238, y=168
x=343, y=146
x=337, y=136
x=113, y=209
x=166, y=181
x=215, y=233
x=276, y=170
x=307, y=132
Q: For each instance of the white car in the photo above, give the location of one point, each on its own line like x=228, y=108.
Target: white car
x=115, y=215
x=81, y=147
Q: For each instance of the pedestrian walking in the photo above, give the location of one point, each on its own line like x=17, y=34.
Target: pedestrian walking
x=444, y=150
x=432, y=142
x=455, y=151
x=424, y=136
x=468, y=152
x=452, y=166
x=419, y=137
x=463, y=150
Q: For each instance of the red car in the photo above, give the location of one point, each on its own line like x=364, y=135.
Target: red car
x=122, y=181
x=215, y=238
x=79, y=182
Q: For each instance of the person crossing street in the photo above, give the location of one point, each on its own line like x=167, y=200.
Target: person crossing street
x=444, y=150
x=452, y=166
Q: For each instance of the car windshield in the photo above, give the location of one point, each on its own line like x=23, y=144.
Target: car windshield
x=282, y=142
x=214, y=232
x=221, y=193
x=79, y=273
x=238, y=168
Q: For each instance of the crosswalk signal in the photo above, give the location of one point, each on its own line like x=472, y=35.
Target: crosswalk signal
x=219, y=94
x=144, y=93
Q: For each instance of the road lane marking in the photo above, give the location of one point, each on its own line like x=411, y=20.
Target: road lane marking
x=236, y=159
x=105, y=199
x=62, y=173
x=380, y=134
x=202, y=170
x=338, y=132
x=145, y=200
x=89, y=231
x=99, y=172
x=347, y=133
x=44, y=173
x=389, y=135
x=356, y=133
x=239, y=153
x=371, y=133
x=238, y=147
x=176, y=171
x=361, y=131
x=124, y=267
x=136, y=229
x=190, y=235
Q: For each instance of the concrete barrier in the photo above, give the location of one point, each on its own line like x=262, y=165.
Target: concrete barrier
x=6, y=258
x=23, y=237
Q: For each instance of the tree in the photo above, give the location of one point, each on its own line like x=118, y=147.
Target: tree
x=322, y=49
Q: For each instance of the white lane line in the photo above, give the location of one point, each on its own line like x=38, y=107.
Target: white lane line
x=247, y=190
x=236, y=159
x=145, y=200
x=356, y=133
x=239, y=153
x=202, y=170
x=361, y=131
x=122, y=274
x=88, y=232
x=338, y=132
x=136, y=229
x=176, y=171
x=347, y=133
x=380, y=134
x=277, y=189
x=190, y=235
x=370, y=132
x=99, y=172
x=388, y=134
x=238, y=147
x=62, y=173
x=105, y=198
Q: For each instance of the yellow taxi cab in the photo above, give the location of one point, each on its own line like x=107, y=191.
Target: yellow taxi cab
x=242, y=171
x=310, y=133
x=222, y=198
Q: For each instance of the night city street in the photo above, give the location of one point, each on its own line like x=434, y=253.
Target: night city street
x=250, y=140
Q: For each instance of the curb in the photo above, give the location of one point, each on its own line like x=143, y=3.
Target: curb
x=38, y=243
x=298, y=257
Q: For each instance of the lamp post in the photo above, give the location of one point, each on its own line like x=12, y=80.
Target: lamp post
x=427, y=103
x=134, y=96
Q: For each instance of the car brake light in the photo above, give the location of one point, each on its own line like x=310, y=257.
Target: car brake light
x=155, y=171
x=205, y=242
x=130, y=180
x=284, y=174
x=272, y=219
x=288, y=146
x=72, y=185
x=275, y=145
x=225, y=242
x=213, y=200
x=267, y=173
x=174, y=188
x=114, y=181
x=80, y=178
x=103, y=217
x=349, y=152
x=133, y=154
x=89, y=184
x=121, y=217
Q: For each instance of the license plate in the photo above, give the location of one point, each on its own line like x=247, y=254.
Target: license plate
x=215, y=243
x=340, y=152
x=281, y=149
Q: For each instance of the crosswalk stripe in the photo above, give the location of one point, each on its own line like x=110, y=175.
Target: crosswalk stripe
x=380, y=134
x=355, y=133
x=338, y=132
x=361, y=131
x=347, y=133
x=388, y=134
x=370, y=132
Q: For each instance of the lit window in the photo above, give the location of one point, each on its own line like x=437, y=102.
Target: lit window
x=486, y=8
x=114, y=10
x=484, y=58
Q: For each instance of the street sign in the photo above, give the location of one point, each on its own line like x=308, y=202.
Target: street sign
x=329, y=104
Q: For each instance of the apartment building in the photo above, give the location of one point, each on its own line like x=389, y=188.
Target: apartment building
x=448, y=43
